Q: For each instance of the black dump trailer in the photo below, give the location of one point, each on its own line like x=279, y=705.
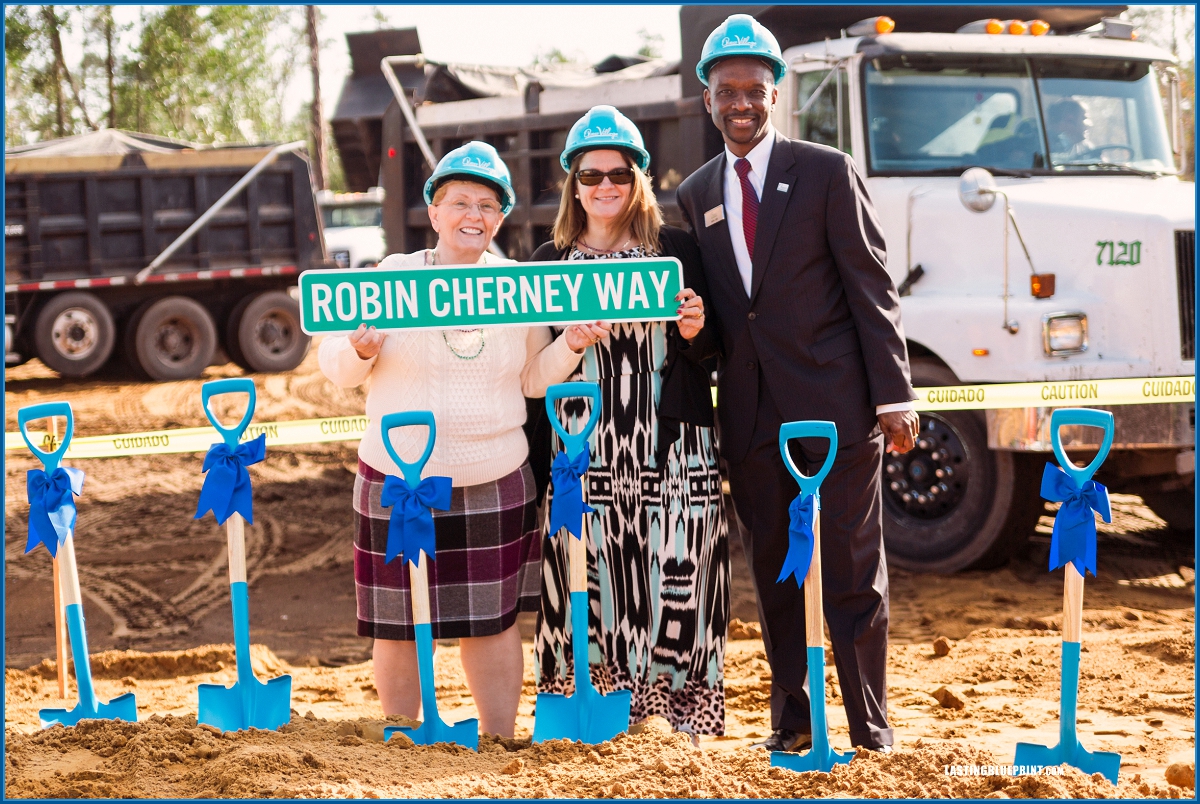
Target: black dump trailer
x=96, y=268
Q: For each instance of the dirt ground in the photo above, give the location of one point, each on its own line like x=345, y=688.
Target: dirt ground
x=157, y=609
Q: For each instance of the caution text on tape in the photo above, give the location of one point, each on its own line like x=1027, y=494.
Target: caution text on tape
x=1072, y=393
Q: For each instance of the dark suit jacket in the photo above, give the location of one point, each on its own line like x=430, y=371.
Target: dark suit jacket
x=823, y=319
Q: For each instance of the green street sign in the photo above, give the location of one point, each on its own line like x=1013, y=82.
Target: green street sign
x=498, y=295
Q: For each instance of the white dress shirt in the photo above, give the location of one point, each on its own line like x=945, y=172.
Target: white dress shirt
x=759, y=158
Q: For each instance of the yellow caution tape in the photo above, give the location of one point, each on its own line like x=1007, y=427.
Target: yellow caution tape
x=1071, y=393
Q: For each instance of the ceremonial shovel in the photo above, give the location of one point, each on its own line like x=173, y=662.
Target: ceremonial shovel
x=821, y=757
x=587, y=715
x=432, y=729
x=1069, y=751
x=123, y=707
x=249, y=703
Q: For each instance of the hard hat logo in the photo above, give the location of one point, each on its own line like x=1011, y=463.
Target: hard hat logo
x=476, y=163
x=592, y=133
x=738, y=41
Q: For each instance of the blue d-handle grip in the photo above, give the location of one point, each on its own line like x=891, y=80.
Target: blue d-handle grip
x=231, y=385
x=43, y=411
x=406, y=418
x=790, y=430
x=575, y=444
x=1062, y=417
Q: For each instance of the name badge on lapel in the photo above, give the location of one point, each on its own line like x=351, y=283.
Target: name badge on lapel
x=714, y=215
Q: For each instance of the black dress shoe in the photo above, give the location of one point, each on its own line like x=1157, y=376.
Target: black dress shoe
x=786, y=740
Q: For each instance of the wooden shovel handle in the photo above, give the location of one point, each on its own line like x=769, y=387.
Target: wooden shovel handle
x=1072, y=627
x=60, y=637
x=418, y=582
x=814, y=616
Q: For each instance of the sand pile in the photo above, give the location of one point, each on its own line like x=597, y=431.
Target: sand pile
x=173, y=757
x=167, y=664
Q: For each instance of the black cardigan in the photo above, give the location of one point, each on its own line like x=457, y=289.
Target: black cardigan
x=686, y=394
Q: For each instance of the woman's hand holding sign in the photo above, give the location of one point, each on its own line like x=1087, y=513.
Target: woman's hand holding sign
x=582, y=336
x=367, y=341
x=692, y=311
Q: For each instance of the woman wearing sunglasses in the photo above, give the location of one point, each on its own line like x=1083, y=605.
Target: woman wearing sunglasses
x=658, y=557
x=488, y=562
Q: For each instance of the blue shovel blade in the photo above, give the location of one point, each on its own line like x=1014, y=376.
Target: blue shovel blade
x=1106, y=763
x=590, y=719
x=123, y=707
x=815, y=759
x=436, y=730
x=225, y=708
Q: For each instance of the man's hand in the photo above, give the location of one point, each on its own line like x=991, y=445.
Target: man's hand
x=900, y=428
x=366, y=342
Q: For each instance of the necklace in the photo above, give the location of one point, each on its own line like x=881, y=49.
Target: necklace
x=432, y=258
x=460, y=355
x=595, y=250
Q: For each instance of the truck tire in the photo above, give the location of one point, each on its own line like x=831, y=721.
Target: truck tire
x=74, y=334
x=173, y=339
x=263, y=333
x=982, y=509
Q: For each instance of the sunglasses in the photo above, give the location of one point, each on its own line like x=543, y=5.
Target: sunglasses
x=590, y=178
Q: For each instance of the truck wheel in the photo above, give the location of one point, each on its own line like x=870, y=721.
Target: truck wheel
x=74, y=334
x=951, y=503
x=263, y=333
x=174, y=339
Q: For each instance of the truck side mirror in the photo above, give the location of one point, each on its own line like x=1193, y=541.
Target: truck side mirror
x=977, y=189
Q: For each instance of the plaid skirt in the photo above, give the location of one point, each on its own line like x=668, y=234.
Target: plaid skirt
x=486, y=570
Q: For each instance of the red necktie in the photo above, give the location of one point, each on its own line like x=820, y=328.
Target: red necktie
x=749, y=204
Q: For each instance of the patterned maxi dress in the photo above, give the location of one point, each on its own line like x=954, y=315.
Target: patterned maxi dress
x=658, y=581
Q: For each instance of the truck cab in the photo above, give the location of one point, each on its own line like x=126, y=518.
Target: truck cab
x=1083, y=268
x=353, y=227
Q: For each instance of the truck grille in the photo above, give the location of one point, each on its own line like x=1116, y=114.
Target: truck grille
x=1185, y=270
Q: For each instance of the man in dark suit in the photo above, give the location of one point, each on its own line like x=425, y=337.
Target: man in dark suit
x=810, y=323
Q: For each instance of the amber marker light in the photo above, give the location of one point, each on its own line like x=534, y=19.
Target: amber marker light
x=980, y=352
x=1016, y=27
x=994, y=27
x=884, y=25
x=1039, y=27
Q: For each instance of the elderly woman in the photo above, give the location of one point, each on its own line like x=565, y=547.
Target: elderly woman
x=658, y=572
x=488, y=562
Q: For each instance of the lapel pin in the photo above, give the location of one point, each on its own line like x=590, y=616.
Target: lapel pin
x=783, y=188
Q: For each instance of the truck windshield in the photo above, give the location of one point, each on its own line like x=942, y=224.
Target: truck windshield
x=360, y=215
x=938, y=115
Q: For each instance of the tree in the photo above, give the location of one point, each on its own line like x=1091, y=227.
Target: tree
x=651, y=44
x=317, y=125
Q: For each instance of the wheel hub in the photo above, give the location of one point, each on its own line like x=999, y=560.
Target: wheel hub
x=75, y=333
x=175, y=340
x=274, y=333
x=929, y=481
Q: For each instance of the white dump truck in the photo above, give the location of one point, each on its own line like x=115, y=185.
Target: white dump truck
x=1075, y=262
x=353, y=227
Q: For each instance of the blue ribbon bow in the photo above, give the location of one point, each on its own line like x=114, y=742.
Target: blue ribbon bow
x=51, y=506
x=226, y=486
x=410, y=527
x=567, y=506
x=800, y=537
x=1074, y=535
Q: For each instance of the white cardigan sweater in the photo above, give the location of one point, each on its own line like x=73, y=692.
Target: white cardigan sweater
x=478, y=404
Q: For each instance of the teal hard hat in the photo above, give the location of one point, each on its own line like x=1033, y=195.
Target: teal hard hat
x=604, y=127
x=474, y=161
x=741, y=35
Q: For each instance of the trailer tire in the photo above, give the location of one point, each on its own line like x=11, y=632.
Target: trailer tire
x=173, y=338
x=264, y=334
x=74, y=334
x=986, y=512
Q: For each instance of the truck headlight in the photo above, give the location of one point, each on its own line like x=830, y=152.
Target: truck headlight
x=1064, y=334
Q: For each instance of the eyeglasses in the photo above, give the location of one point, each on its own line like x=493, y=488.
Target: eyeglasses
x=487, y=209
x=590, y=178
